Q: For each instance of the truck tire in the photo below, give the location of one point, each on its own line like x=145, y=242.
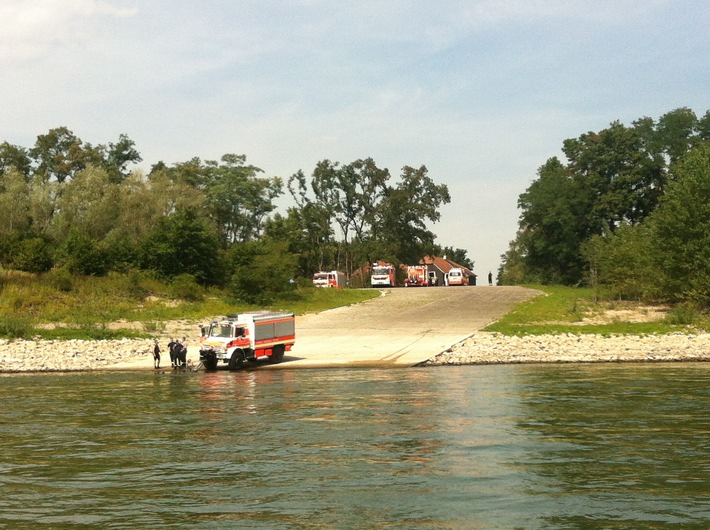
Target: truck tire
x=277, y=354
x=238, y=359
x=210, y=362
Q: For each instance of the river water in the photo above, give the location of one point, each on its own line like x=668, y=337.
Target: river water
x=526, y=446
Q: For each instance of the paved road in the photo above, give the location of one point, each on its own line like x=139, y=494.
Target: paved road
x=401, y=328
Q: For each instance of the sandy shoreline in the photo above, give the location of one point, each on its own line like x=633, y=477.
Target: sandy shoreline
x=481, y=348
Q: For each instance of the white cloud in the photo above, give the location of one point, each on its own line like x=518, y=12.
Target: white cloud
x=32, y=28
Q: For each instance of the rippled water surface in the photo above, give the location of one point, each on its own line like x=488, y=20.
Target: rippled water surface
x=569, y=446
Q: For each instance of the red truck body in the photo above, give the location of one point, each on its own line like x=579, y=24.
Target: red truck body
x=253, y=336
x=416, y=276
x=332, y=279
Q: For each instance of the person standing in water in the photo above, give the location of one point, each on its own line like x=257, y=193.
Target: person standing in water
x=156, y=354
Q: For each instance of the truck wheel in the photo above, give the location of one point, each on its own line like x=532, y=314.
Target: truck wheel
x=277, y=354
x=210, y=362
x=237, y=360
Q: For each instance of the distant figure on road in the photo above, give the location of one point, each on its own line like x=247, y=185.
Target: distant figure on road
x=490, y=278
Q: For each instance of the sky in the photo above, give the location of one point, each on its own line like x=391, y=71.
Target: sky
x=481, y=92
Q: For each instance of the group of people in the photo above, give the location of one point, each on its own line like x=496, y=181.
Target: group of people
x=177, y=350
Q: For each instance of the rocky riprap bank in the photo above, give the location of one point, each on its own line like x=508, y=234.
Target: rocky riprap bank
x=480, y=348
x=73, y=355
x=493, y=348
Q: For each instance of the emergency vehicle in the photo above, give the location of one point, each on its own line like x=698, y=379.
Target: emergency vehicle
x=416, y=276
x=253, y=336
x=456, y=277
x=329, y=279
x=382, y=275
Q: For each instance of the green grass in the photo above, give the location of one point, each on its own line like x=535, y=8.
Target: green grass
x=82, y=308
x=562, y=310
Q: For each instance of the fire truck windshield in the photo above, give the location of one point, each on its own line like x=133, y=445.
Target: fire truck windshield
x=221, y=330
x=380, y=270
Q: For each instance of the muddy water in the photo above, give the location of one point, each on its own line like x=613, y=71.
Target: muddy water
x=571, y=446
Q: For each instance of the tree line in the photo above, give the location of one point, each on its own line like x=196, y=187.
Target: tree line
x=628, y=211
x=80, y=207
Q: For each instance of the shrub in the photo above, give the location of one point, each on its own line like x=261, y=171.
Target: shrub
x=185, y=287
x=32, y=255
x=264, y=273
x=682, y=315
x=60, y=279
x=15, y=326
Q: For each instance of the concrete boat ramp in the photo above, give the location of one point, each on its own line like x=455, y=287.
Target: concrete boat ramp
x=402, y=327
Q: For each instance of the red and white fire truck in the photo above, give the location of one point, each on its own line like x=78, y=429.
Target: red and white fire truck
x=416, y=276
x=382, y=275
x=253, y=336
x=329, y=279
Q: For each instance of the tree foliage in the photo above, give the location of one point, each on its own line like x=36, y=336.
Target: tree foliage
x=374, y=219
x=627, y=212
x=68, y=204
x=680, y=231
x=183, y=243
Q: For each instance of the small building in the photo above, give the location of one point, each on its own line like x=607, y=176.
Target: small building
x=438, y=270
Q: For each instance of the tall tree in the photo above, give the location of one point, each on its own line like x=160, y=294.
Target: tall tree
x=14, y=157
x=613, y=166
x=184, y=243
x=554, y=223
x=677, y=133
x=119, y=155
x=406, y=211
x=58, y=155
x=458, y=255
x=238, y=199
x=681, y=231
x=14, y=203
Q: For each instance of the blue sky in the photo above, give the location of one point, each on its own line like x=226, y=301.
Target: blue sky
x=482, y=92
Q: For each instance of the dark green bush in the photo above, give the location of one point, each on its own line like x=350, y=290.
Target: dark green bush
x=32, y=255
x=60, y=279
x=185, y=287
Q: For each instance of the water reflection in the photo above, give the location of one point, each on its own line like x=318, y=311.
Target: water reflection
x=621, y=443
x=466, y=447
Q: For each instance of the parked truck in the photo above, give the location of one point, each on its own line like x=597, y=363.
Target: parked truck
x=382, y=275
x=246, y=337
x=329, y=279
x=416, y=276
x=457, y=277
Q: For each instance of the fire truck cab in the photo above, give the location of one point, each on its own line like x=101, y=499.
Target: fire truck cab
x=382, y=275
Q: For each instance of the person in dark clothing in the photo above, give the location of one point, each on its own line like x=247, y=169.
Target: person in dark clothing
x=156, y=354
x=183, y=352
x=490, y=278
x=171, y=349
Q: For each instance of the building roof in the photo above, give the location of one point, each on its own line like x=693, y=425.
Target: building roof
x=445, y=265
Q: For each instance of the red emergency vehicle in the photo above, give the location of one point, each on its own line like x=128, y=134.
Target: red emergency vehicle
x=254, y=336
x=416, y=276
x=329, y=279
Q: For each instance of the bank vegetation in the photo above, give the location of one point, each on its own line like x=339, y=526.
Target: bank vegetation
x=626, y=213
